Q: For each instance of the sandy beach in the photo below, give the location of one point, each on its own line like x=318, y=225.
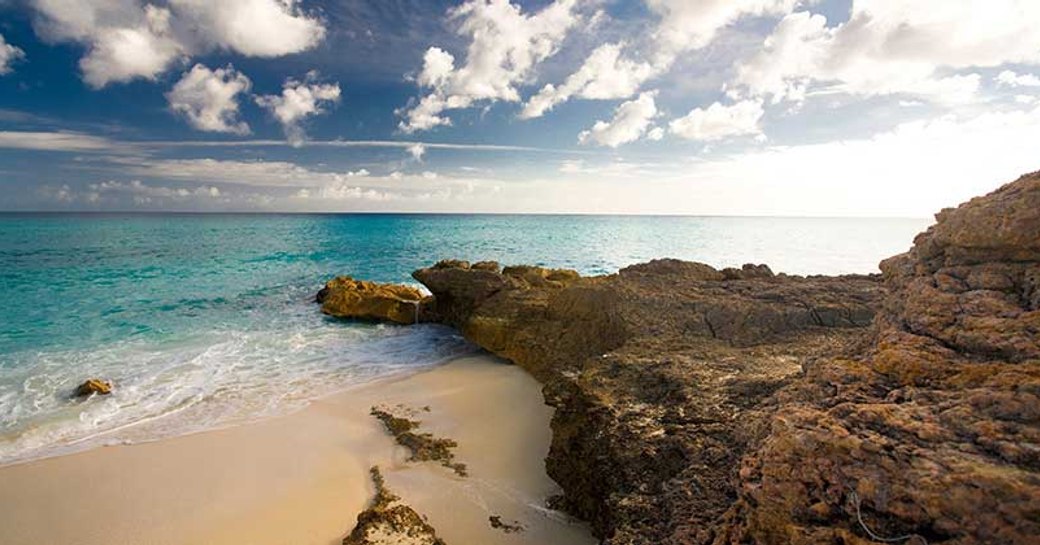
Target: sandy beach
x=303, y=478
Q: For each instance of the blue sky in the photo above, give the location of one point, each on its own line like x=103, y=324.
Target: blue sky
x=730, y=107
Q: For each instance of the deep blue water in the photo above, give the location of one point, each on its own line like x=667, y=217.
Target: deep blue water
x=207, y=320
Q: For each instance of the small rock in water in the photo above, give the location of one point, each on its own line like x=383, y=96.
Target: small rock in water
x=93, y=386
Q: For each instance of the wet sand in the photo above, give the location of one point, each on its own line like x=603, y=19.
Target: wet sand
x=303, y=478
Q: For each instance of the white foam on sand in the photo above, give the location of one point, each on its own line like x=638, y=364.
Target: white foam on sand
x=303, y=478
x=204, y=381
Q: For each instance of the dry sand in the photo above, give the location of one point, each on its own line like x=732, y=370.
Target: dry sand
x=302, y=479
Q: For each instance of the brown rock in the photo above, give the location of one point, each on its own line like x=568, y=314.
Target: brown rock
x=93, y=386
x=389, y=521
x=935, y=440
x=345, y=297
x=738, y=406
x=658, y=374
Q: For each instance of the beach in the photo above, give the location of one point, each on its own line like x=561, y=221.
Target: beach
x=303, y=478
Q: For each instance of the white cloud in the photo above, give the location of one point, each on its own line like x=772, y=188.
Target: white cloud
x=687, y=25
x=124, y=39
x=299, y=100
x=505, y=45
x=859, y=177
x=894, y=47
x=417, y=151
x=717, y=121
x=286, y=185
x=8, y=55
x=1009, y=78
x=55, y=141
x=129, y=39
x=604, y=75
x=208, y=99
x=255, y=173
x=682, y=26
x=257, y=28
x=631, y=121
x=153, y=191
x=346, y=192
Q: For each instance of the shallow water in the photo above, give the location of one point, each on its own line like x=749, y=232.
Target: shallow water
x=208, y=320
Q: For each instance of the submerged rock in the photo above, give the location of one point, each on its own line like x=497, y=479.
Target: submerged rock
x=345, y=297
x=388, y=521
x=91, y=387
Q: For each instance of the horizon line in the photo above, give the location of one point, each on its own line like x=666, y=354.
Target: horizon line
x=439, y=213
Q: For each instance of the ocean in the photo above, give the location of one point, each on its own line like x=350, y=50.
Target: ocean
x=207, y=321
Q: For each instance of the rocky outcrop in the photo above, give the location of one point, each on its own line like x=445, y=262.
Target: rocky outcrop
x=933, y=434
x=661, y=375
x=704, y=406
x=345, y=297
x=91, y=387
x=389, y=521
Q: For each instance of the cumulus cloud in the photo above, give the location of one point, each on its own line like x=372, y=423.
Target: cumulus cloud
x=208, y=99
x=149, y=191
x=686, y=26
x=417, y=151
x=299, y=100
x=631, y=121
x=604, y=75
x=505, y=45
x=129, y=39
x=682, y=26
x=8, y=55
x=113, y=193
x=124, y=39
x=257, y=28
x=717, y=121
x=1008, y=78
x=893, y=48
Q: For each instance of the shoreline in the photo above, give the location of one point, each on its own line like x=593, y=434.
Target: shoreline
x=304, y=477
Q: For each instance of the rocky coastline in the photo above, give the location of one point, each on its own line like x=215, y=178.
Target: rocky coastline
x=704, y=406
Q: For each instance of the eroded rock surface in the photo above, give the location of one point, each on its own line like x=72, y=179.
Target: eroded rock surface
x=345, y=297
x=698, y=406
x=389, y=521
x=661, y=375
x=934, y=432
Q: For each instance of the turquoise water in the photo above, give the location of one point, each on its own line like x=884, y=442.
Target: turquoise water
x=207, y=320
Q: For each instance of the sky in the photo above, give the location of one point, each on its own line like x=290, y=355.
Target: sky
x=866, y=108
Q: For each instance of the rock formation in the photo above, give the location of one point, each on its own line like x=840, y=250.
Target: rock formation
x=933, y=434
x=698, y=406
x=345, y=297
x=389, y=522
x=661, y=375
x=92, y=386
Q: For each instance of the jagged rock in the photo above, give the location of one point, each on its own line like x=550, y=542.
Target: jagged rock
x=492, y=266
x=345, y=297
x=388, y=521
x=698, y=406
x=934, y=433
x=659, y=374
x=91, y=387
